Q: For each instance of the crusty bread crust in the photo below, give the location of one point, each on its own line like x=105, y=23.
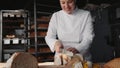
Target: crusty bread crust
x=115, y=63
x=22, y=60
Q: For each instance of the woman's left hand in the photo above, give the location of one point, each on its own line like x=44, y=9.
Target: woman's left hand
x=73, y=50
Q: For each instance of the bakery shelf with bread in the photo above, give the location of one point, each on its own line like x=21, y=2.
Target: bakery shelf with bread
x=37, y=28
x=13, y=31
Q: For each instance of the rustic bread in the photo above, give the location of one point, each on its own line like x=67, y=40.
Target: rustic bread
x=57, y=60
x=62, y=58
x=75, y=62
x=22, y=60
x=115, y=63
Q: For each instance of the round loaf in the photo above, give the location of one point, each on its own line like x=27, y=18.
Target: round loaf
x=22, y=60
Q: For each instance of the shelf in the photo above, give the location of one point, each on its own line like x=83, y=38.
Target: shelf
x=12, y=21
x=11, y=28
x=13, y=31
x=37, y=30
x=43, y=13
x=39, y=45
x=43, y=44
x=13, y=46
x=7, y=51
x=42, y=21
x=42, y=54
x=14, y=41
x=42, y=29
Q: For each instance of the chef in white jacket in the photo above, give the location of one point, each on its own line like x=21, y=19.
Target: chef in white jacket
x=70, y=28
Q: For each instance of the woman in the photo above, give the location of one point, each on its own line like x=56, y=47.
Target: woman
x=70, y=28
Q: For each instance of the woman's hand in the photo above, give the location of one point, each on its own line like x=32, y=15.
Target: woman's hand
x=58, y=46
x=73, y=50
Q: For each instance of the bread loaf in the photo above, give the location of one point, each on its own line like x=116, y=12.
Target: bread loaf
x=62, y=58
x=115, y=63
x=22, y=60
x=57, y=60
x=75, y=62
x=68, y=59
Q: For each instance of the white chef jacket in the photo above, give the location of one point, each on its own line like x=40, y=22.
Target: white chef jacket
x=73, y=30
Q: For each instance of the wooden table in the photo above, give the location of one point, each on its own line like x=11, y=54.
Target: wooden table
x=51, y=65
x=2, y=65
x=41, y=65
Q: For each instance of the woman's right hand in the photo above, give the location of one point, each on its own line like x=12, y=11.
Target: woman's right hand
x=58, y=46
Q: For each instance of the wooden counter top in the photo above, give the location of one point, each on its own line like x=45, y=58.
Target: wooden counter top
x=41, y=65
x=51, y=65
x=2, y=65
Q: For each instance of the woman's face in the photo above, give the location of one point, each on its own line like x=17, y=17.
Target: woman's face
x=67, y=5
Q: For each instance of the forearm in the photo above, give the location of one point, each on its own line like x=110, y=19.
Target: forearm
x=51, y=43
x=88, y=35
x=83, y=46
